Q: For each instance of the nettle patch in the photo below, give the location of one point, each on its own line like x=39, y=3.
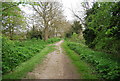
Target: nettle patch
x=104, y=64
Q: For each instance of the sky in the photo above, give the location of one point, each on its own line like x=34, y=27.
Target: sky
x=69, y=5
x=74, y=5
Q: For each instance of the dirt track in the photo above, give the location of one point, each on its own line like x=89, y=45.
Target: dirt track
x=56, y=65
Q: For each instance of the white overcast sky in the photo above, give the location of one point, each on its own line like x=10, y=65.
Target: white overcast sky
x=67, y=5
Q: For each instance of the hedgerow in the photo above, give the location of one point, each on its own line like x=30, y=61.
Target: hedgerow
x=104, y=64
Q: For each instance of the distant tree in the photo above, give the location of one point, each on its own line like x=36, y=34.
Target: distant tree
x=76, y=27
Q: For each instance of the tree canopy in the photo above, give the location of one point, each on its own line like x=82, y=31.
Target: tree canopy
x=102, y=26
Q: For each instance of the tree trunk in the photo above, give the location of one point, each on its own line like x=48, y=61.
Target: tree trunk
x=46, y=34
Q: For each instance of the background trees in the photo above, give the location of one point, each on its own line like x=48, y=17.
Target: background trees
x=101, y=22
x=46, y=21
x=50, y=14
x=76, y=27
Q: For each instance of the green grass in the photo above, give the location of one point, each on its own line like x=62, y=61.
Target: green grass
x=86, y=71
x=22, y=70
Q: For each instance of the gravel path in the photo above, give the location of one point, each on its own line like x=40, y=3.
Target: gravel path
x=56, y=65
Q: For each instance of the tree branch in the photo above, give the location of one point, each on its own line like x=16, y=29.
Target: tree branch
x=11, y=6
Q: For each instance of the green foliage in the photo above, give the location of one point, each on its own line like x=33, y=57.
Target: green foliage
x=86, y=71
x=12, y=19
x=21, y=71
x=105, y=65
x=52, y=40
x=109, y=45
x=89, y=36
x=14, y=53
x=102, y=26
x=7, y=8
x=74, y=37
x=76, y=28
x=34, y=33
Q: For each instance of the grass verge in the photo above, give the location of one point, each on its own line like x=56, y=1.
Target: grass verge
x=22, y=70
x=85, y=70
x=104, y=64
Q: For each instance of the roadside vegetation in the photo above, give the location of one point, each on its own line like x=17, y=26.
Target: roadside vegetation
x=106, y=66
x=99, y=44
x=16, y=52
x=86, y=71
x=92, y=41
x=21, y=71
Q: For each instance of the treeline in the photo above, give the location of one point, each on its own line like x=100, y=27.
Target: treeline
x=103, y=27
x=46, y=21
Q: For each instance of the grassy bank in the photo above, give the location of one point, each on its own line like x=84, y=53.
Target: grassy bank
x=21, y=71
x=15, y=52
x=85, y=70
x=105, y=64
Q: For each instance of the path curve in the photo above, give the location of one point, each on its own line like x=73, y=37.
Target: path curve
x=56, y=65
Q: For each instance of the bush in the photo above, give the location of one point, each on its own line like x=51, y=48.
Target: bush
x=107, y=45
x=105, y=65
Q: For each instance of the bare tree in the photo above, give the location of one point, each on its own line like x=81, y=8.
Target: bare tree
x=48, y=12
